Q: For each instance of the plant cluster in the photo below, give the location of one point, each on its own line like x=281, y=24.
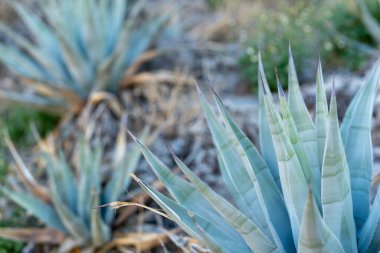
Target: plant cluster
x=76, y=186
x=71, y=50
x=306, y=190
x=74, y=48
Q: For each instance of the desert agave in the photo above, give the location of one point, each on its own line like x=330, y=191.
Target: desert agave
x=306, y=191
x=75, y=47
x=369, y=21
x=75, y=188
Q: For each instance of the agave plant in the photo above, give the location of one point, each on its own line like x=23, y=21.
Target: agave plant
x=75, y=47
x=306, y=190
x=369, y=21
x=75, y=188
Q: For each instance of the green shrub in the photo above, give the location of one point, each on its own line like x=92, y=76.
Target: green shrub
x=16, y=121
x=333, y=31
x=214, y=4
x=7, y=246
x=352, y=42
x=272, y=33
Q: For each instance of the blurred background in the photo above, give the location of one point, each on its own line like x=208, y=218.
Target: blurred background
x=58, y=87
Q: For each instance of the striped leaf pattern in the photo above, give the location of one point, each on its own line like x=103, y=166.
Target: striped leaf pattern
x=265, y=137
x=299, y=192
x=336, y=186
x=303, y=122
x=321, y=113
x=358, y=146
x=315, y=236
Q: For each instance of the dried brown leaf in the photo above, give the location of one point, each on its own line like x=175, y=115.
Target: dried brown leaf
x=158, y=77
x=35, y=235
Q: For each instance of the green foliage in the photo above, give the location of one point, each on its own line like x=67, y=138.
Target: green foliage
x=3, y=168
x=75, y=187
x=76, y=47
x=7, y=246
x=351, y=41
x=369, y=15
x=314, y=198
x=214, y=4
x=333, y=30
x=16, y=119
x=272, y=33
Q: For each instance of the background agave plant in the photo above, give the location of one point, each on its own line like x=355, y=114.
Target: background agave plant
x=76, y=47
x=369, y=21
x=75, y=187
x=306, y=191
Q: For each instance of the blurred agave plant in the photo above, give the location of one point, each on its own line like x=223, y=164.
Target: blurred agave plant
x=75, y=188
x=369, y=21
x=308, y=190
x=75, y=47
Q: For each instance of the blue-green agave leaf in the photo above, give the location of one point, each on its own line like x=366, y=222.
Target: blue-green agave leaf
x=294, y=186
x=269, y=195
x=37, y=207
x=253, y=236
x=359, y=147
x=21, y=63
x=73, y=224
x=124, y=163
x=336, y=187
x=234, y=173
x=45, y=60
x=295, y=140
x=321, y=113
x=89, y=164
x=218, y=241
x=369, y=236
x=68, y=186
x=345, y=126
x=315, y=236
x=32, y=101
x=100, y=231
x=40, y=31
x=265, y=137
x=186, y=194
x=304, y=123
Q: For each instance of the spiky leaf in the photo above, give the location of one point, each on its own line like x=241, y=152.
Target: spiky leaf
x=369, y=236
x=37, y=207
x=265, y=137
x=293, y=181
x=303, y=122
x=321, y=113
x=359, y=146
x=336, y=186
x=315, y=236
x=269, y=195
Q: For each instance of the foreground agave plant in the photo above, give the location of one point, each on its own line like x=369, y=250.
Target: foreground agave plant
x=306, y=191
x=78, y=46
x=68, y=203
